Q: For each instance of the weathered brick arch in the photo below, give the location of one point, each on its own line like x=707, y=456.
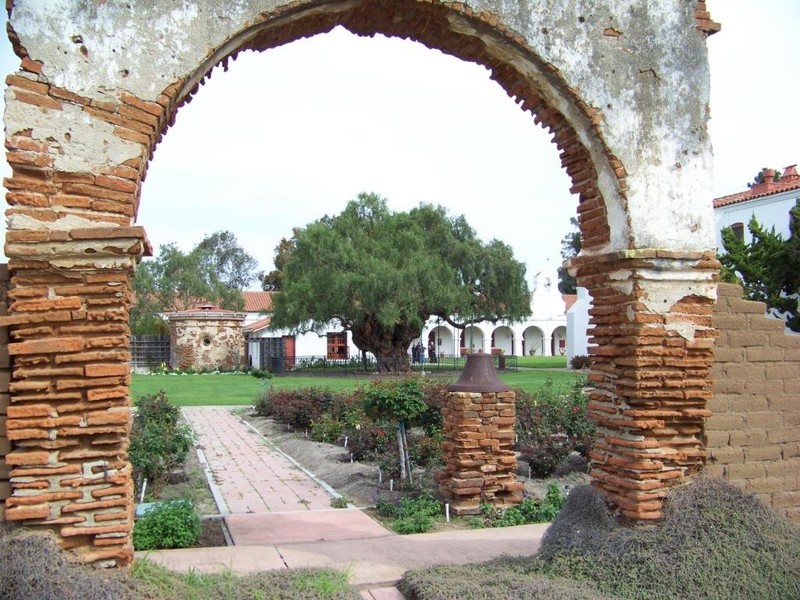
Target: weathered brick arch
x=623, y=89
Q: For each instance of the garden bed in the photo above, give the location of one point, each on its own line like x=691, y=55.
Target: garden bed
x=358, y=481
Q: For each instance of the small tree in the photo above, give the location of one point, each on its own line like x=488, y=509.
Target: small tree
x=768, y=267
x=274, y=279
x=570, y=247
x=216, y=271
x=399, y=401
x=381, y=275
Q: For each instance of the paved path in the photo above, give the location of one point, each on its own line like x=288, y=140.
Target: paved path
x=252, y=476
x=279, y=517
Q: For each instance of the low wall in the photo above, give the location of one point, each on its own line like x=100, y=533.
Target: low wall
x=753, y=437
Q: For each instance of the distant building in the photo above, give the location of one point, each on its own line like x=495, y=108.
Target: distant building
x=769, y=201
x=544, y=333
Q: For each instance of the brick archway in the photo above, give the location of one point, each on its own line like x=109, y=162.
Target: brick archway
x=85, y=113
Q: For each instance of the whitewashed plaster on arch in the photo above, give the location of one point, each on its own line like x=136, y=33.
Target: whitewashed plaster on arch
x=649, y=81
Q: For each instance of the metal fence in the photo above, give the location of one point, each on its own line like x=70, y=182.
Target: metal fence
x=149, y=351
x=280, y=364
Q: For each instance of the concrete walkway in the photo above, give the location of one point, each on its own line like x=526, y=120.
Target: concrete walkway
x=279, y=516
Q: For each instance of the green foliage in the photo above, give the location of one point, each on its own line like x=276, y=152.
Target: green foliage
x=340, y=502
x=768, y=267
x=214, y=271
x=260, y=374
x=570, y=247
x=530, y=510
x=158, y=442
x=580, y=361
x=274, y=279
x=167, y=525
x=157, y=583
x=221, y=254
x=396, y=400
x=296, y=408
x=411, y=514
x=326, y=429
x=381, y=275
x=552, y=423
x=322, y=583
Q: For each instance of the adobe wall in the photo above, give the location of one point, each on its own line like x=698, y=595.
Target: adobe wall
x=753, y=435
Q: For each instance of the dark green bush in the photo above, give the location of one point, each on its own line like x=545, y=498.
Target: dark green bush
x=372, y=439
x=295, y=408
x=326, y=429
x=158, y=442
x=580, y=362
x=167, y=525
x=552, y=423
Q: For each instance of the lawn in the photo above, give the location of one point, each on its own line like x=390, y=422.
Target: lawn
x=237, y=390
x=542, y=362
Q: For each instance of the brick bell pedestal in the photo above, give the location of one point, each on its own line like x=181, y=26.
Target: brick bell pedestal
x=480, y=462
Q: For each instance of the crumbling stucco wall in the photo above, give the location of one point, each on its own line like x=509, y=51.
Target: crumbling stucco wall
x=622, y=88
x=206, y=339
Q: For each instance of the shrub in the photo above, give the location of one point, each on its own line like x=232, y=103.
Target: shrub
x=552, y=423
x=491, y=582
x=33, y=566
x=715, y=541
x=326, y=429
x=156, y=408
x=425, y=449
x=580, y=361
x=546, y=453
x=431, y=419
x=411, y=514
x=158, y=442
x=530, y=510
x=370, y=439
x=167, y=525
x=296, y=408
x=260, y=373
x=340, y=502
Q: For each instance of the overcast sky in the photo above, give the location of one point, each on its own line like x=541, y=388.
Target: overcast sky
x=294, y=133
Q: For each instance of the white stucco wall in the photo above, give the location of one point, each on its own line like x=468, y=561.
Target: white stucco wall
x=578, y=326
x=770, y=211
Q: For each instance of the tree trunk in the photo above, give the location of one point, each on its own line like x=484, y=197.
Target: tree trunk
x=402, y=450
x=389, y=345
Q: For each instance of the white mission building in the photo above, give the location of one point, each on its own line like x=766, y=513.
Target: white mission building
x=543, y=333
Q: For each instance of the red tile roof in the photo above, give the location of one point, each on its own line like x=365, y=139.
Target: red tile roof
x=258, y=325
x=257, y=301
x=790, y=180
